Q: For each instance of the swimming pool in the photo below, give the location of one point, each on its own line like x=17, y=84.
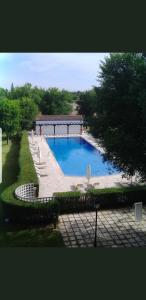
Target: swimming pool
x=73, y=154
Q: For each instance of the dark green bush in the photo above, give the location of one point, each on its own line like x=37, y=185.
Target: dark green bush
x=32, y=212
x=67, y=194
x=69, y=201
x=107, y=198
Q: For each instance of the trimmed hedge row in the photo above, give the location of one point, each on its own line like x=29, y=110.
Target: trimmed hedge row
x=32, y=213
x=20, y=211
x=107, y=198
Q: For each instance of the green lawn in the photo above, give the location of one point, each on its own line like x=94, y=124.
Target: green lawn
x=10, y=154
x=12, y=235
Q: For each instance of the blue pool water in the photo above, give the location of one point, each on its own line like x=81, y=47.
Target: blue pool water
x=74, y=154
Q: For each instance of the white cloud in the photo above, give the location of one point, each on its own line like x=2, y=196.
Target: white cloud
x=44, y=62
x=73, y=71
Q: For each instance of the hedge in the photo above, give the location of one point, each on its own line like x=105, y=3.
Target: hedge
x=20, y=211
x=107, y=198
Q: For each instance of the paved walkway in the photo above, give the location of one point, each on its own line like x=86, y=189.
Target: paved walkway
x=56, y=181
x=115, y=228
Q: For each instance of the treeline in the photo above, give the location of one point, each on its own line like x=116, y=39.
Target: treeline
x=20, y=105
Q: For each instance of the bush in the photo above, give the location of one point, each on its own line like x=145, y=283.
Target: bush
x=116, y=196
x=68, y=201
x=107, y=198
x=23, y=212
x=67, y=194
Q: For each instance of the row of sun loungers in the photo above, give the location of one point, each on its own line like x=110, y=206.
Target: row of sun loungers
x=40, y=166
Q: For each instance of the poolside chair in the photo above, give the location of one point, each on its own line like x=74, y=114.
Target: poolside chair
x=89, y=186
x=40, y=173
x=37, y=164
x=79, y=185
x=33, y=151
x=74, y=188
x=40, y=166
x=95, y=184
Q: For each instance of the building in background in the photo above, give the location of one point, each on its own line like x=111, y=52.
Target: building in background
x=59, y=124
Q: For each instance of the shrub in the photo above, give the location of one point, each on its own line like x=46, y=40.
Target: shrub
x=68, y=201
x=107, y=198
x=22, y=212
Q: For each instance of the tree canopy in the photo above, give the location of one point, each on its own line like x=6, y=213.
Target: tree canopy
x=9, y=117
x=120, y=121
x=20, y=105
x=55, y=101
x=28, y=112
x=87, y=103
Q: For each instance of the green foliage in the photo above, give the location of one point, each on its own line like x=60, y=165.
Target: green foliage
x=20, y=105
x=9, y=117
x=87, y=103
x=56, y=102
x=107, y=198
x=3, y=94
x=120, y=120
x=28, y=111
x=67, y=194
x=26, y=91
x=69, y=202
x=18, y=236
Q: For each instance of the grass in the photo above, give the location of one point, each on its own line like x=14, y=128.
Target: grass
x=17, y=169
x=14, y=236
x=10, y=154
x=23, y=167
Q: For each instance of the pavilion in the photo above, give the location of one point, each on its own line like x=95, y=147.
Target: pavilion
x=59, y=124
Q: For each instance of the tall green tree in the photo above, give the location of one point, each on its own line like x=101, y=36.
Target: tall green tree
x=120, y=121
x=9, y=117
x=28, y=112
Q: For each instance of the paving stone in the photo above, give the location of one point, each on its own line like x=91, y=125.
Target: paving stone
x=113, y=228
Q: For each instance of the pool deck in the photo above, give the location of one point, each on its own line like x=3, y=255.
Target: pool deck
x=56, y=181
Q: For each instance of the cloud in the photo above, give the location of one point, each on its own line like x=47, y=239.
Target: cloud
x=44, y=62
x=73, y=71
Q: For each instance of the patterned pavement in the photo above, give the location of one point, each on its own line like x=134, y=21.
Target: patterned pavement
x=115, y=228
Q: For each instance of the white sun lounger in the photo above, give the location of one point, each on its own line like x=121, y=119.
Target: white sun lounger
x=40, y=173
x=37, y=162
x=40, y=166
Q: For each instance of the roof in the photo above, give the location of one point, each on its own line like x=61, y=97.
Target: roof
x=59, y=118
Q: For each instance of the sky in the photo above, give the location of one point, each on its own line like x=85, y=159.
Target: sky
x=71, y=71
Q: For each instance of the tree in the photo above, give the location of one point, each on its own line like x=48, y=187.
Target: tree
x=3, y=93
x=9, y=117
x=56, y=102
x=120, y=121
x=28, y=111
x=20, y=91
x=87, y=103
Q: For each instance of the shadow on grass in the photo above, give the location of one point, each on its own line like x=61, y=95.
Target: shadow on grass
x=11, y=166
x=10, y=169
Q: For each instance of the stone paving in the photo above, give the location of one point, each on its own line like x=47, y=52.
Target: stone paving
x=115, y=228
